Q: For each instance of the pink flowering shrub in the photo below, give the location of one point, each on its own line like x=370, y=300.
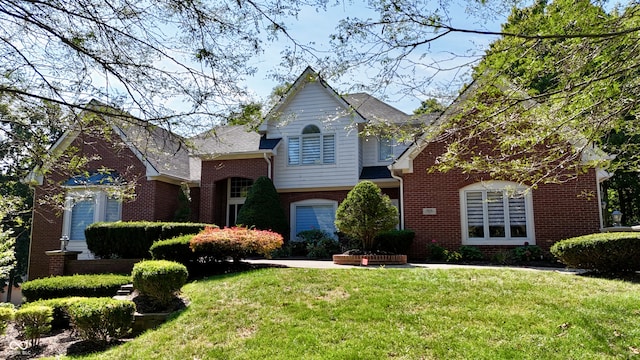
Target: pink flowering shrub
x=235, y=242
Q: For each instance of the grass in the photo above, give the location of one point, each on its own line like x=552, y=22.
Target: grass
x=397, y=314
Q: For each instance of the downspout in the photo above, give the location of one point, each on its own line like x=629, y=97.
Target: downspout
x=401, y=199
x=268, y=160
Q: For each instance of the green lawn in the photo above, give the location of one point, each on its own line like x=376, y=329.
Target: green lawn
x=398, y=314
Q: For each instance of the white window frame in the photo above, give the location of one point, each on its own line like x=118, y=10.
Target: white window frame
x=507, y=188
x=99, y=196
x=309, y=202
x=322, y=136
x=237, y=200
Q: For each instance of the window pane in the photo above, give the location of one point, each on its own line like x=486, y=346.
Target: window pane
x=112, y=210
x=311, y=149
x=311, y=129
x=315, y=217
x=385, y=150
x=240, y=187
x=517, y=217
x=475, y=214
x=81, y=217
x=328, y=149
x=495, y=206
x=294, y=151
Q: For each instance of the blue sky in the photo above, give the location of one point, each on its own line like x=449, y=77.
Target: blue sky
x=315, y=27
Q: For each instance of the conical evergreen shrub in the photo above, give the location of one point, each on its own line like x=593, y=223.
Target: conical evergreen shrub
x=262, y=209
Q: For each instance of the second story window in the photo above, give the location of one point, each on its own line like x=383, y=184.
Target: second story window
x=311, y=147
x=385, y=149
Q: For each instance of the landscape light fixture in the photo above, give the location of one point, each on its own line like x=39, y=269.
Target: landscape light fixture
x=616, y=216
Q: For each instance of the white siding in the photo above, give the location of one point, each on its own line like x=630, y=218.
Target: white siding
x=370, y=150
x=314, y=104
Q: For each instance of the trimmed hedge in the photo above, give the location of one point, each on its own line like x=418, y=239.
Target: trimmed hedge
x=236, y=242
x=176, y=249
x=6, y=315
x=59, y=306
x=606, y=252
x=132, y=240
x=395, y=241
x=262, y=208
x=159, y=279
x=33, y=321
x=101, y=319
x=76, y=285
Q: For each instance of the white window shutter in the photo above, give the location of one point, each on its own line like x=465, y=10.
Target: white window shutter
x=328, y=149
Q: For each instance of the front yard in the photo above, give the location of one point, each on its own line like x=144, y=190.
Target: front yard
x=393, y=313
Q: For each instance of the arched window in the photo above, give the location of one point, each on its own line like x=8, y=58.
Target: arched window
x=496, y=213
x=90, y=198
x=311, y=147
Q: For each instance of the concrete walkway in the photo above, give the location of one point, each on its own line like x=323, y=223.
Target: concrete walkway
x=328, y=264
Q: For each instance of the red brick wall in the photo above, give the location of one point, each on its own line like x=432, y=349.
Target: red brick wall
x=559, y=211
x=216, y=170
x=153, y=200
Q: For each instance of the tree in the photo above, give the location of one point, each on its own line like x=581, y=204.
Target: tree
x=7, y=241
x=262, y=208
x=562, y=72
x=365, y=213
x=429, y=106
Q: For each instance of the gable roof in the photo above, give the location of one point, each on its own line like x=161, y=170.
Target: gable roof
x=374, y=110
x=404, y=163
x=163, y=153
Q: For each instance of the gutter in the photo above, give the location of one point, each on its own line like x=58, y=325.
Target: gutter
x=268, y=160
x=401, y=199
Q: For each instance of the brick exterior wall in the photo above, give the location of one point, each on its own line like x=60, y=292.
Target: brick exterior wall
x=153, y=200
x=214, y=172
x=559, y=210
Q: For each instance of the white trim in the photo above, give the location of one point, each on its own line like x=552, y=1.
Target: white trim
x=506, y=187
x=308, y=202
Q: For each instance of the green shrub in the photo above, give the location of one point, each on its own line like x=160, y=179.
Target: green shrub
x=452, y=256
x=436, y=252
x=262, y=209
x=76, y=285
x=235, y=242
x=159, y=279
x=319, y=244
x=527, y=253
x=33, y=321
x=365, y=213
x=176, y=249
x=59, y=306
x=395, y=241
x=132, y=240
x=101, y=319
x=503, y=257
x=470, y=253
x=606, y=252
x=6, y=315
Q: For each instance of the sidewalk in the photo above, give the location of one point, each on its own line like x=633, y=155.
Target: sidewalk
x=328, y=264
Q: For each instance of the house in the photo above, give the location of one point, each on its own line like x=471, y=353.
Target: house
x=313, y=147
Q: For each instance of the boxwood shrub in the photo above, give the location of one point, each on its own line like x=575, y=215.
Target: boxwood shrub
x=159, y=279
x=605, y=252
x=176, y=249
x=59, y=307
x=132, y=240
x=6, y=315
x=33, y=321
x=101, y=319
x=395, y=241
x=76, y=285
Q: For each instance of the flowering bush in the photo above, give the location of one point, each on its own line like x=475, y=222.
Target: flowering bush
x=235, y=242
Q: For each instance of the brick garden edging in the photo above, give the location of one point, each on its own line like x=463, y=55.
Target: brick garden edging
x=342, y=259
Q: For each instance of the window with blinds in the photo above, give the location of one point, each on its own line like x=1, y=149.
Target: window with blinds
x=87, y=207
x=311, y=148
x=495, y=214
